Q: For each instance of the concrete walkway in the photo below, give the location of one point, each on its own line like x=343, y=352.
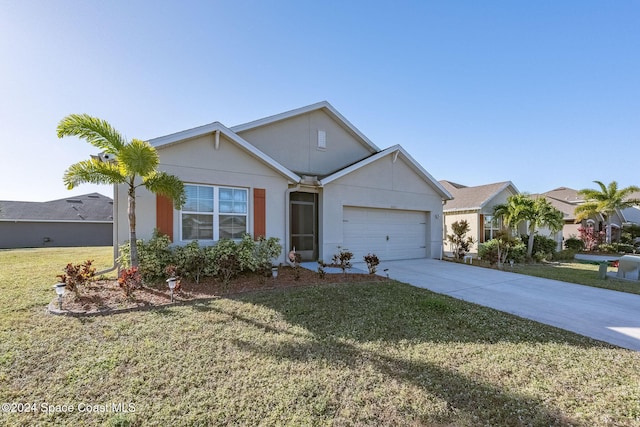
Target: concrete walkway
x=610, y=316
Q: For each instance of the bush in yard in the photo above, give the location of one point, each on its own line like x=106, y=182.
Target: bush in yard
x=265, y=252
x=129, y=280
x=543, y=247
x=608, y=248
x=502, y=249
x=625, y=248
x=343, y=259
x=591, y=238
x=460, y=244
x=154, y=256
x=222, y=261
x=372, y=262
x=565, y=255
x=245, y=252
x=574, y=244
x=190, y=260
x=76, y=275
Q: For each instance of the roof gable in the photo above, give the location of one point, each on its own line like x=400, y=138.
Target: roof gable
x=212, y=128
x=474, y=198
x=396, y=151
x=325, y=107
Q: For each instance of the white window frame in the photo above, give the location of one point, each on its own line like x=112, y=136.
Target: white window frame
x=492, y=230
x=216, y=211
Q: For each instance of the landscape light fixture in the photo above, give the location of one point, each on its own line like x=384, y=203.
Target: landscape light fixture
x=59, y=288
x=274, y=272
x=172, y=285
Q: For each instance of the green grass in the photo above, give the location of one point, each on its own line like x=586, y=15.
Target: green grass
x=583, y=273
x=365, y=354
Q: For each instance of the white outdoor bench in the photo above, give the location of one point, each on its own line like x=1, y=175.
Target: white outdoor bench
x=467, y=257
x=629, y=267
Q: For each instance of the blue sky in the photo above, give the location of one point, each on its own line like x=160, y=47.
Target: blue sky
x=543, y=93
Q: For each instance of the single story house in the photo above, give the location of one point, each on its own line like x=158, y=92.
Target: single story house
x=306, y=176
x=475, y=205
x=85, y=220
x=567, y=199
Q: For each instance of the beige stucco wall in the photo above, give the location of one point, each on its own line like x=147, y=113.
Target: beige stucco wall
x=381, y=184
x=196, y=161
x=472, y=218
x=294, y=143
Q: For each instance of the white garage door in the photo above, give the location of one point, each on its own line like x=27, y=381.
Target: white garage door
x=389, y=233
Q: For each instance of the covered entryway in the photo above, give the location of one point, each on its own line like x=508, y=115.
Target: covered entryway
x=391, y=234
x=304, y=224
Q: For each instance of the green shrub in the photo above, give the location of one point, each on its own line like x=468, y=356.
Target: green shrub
x=190, y=261
x=543, y=247
x=575, y=244
x=565, y=255
x=154, y=256
x=222, y=260
x=625, y=248
x=608, y=248
x=514, y=250
x=266, y=252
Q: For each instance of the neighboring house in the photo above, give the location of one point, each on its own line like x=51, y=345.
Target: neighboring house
x=307, y=177
x=475, y=205
x=85, y=220
x=567, y=199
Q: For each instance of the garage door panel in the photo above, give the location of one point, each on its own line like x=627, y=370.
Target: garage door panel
x=390, y=234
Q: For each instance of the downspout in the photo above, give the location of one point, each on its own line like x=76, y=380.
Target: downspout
x=115, y=232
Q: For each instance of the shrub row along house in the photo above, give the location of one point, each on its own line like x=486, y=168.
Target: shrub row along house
x=306, y=176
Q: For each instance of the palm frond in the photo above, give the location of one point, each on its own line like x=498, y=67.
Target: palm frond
x=95, y=131
x=138, y=158
x=92, y=172
x=167, y=185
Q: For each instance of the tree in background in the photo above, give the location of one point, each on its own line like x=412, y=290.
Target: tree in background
x=132, y=163
x=535, y=212
x=605, y=202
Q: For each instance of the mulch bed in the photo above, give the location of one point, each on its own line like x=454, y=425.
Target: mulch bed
x=105, y=296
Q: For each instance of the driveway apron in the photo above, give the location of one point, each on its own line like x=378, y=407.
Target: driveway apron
x=606, y=315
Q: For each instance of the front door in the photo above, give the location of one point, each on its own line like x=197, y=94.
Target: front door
x=304, y=225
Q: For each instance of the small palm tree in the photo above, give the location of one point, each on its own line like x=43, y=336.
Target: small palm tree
x=537, y=212
x=605, y=202
x=135, y=165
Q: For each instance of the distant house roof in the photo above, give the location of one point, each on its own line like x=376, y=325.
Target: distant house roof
x=92, y=207
x=564, y=194
x=473, y=198
x=567, y=208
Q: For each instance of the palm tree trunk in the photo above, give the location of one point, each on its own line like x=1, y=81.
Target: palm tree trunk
x=131, y=211
x=532, y=230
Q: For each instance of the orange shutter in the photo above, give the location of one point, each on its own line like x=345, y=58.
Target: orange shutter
x=164, y=216
x=481, y=227
x=259, y=213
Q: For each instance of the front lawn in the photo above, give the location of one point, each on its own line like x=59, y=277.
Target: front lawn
x=580, y=272
x=360, y=354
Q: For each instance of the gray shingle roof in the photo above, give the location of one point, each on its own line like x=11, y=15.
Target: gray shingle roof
x=472, y=198
x=85, y=208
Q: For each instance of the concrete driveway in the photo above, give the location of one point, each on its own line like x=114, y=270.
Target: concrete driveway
x=602, y=314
